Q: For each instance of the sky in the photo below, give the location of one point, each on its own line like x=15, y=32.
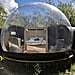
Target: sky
x=10, y=4
x=22, y=2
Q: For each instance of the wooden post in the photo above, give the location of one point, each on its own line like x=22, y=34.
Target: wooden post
x=25, y=39
x=46, y=39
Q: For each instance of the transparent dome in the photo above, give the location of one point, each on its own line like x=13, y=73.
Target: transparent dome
x=36, y=28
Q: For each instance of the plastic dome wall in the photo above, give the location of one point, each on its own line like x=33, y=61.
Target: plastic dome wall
x=36, y=28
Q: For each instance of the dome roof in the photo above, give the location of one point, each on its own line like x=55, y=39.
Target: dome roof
x=42, y=13
x=34, y=24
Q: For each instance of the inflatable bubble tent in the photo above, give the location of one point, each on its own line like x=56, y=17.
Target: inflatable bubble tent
x=36, y=28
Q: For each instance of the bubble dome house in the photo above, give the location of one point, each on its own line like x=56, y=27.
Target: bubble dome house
x=38, y=30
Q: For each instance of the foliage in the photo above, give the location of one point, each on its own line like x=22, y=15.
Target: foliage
x=73, y=67
x=51, y=2
x=1, y=58
x=68, y=11
x=38, y=69
x=2, y=15
x=35, y=20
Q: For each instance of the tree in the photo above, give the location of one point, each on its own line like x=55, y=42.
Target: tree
x=2, y=15
x=68, y=11
x=51, y=2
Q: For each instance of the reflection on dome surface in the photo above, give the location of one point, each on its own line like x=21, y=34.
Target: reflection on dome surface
x=36, y=28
